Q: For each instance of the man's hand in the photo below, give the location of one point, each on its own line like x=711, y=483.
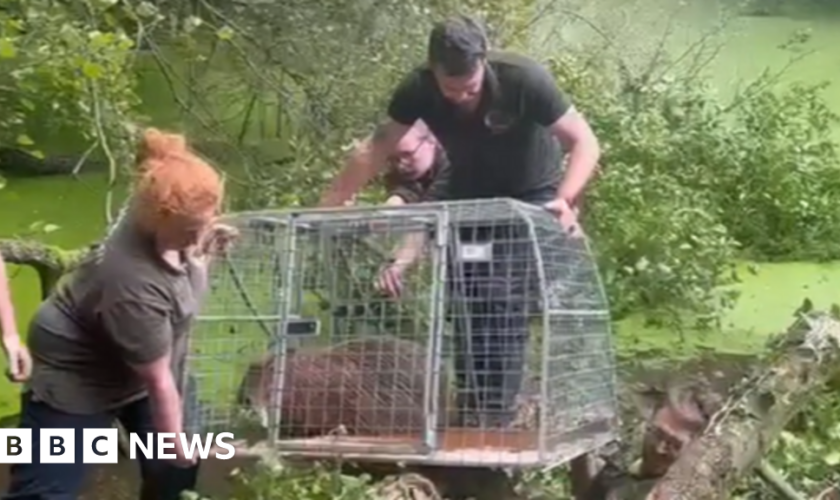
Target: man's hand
x=395, y=201
x=390, y=279
x=566, y=215
x=17, y=355
x=181, y=459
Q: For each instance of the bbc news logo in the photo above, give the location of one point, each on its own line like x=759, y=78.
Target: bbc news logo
x=101, y=446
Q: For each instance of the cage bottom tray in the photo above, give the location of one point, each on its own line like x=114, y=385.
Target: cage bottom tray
x=465, y=447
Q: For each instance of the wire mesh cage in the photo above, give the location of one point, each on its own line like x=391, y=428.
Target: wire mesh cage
x=491, y=348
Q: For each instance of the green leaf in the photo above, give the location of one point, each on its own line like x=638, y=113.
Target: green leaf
x=49, y=228
x=146, y=10
x=832, y=459
x=191, y=23
x=25, y=140
x=224, y=33
x=7, y=49
x=2, y=182
x=92, y=70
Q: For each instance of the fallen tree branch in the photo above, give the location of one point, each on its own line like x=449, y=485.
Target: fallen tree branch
x=50, y=262
x=803, y=359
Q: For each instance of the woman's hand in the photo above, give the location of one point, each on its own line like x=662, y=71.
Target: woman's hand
x=216, y=242
x=17, y=355
x=219, y=239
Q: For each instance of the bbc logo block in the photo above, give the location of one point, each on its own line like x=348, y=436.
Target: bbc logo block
x=58, y=446
x=101, y=446
x=15, y=446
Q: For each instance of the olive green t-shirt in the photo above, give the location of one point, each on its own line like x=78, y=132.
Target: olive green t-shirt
x=124, y=306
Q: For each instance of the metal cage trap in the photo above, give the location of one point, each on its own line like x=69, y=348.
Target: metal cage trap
x=496, y=352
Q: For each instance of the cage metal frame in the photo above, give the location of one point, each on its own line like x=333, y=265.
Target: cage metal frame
x=427, y=453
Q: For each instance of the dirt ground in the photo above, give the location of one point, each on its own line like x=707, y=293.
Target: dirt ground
x=121, y=481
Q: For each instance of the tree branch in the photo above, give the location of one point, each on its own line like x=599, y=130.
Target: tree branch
x=804, y=358
x=50, y=262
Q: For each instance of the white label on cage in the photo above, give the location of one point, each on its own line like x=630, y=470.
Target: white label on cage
x=476, y=252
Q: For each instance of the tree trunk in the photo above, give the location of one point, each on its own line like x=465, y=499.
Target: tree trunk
x=802, y=360
x=48, y=261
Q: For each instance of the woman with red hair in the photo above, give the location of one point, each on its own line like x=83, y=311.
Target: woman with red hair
x=110, y=343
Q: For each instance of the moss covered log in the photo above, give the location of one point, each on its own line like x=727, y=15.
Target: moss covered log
x=50, y=262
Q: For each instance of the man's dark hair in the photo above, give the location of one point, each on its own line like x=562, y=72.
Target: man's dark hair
x=457, y=45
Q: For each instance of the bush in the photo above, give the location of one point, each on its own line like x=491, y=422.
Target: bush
x=689, y=182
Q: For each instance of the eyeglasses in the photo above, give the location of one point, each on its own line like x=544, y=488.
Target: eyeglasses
x=398, y=158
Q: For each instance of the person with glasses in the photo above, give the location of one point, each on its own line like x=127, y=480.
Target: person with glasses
x=508, y=132
x=412, y=167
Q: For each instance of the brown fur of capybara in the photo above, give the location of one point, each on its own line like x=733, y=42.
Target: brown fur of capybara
x=370, y=386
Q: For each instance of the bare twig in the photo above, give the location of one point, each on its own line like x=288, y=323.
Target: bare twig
x=78, y=167
x=104, y=144
x=660, y=52
x=774, y=479
x=766, y=80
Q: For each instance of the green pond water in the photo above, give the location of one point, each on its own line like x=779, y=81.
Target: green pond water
x=76, y=206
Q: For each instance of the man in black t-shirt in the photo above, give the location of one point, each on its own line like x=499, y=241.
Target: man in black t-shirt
x=504, y=126
x=500, y=118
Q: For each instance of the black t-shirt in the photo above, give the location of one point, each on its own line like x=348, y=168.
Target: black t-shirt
x=505, y=148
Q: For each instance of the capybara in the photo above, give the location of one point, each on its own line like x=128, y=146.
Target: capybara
x=369, y=386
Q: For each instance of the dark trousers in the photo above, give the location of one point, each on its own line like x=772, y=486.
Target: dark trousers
x=36, y=481
x=490, y=308
x=491, y=305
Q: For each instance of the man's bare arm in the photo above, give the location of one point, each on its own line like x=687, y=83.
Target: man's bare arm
x=413, y=244
x=577, y=138
x=410, y=250
x=364, y=163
